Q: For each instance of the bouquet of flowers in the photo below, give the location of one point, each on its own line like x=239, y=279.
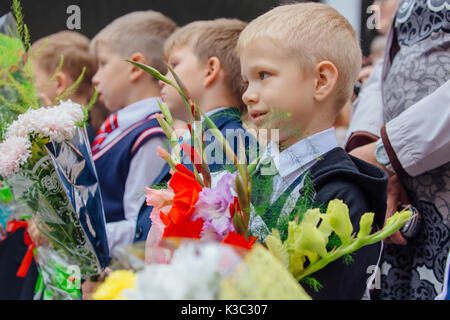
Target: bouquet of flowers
x=205, y=270
x=46, y=160
x=216, y=209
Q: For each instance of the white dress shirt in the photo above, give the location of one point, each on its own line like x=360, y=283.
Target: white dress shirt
x=144, y=168
x=288, y=165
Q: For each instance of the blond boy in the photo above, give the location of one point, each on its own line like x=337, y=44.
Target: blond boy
x=125, y=148
x=300, y=63
x=204, y=56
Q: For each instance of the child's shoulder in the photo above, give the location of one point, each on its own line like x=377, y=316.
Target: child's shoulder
x=227, y=118
x=362, y=186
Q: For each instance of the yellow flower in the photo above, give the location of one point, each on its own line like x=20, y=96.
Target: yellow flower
x=338, y=218
x=117, y=281
x=365, y=224
x=311, y=239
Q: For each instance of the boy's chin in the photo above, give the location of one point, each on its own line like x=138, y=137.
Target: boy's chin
x=179, y=113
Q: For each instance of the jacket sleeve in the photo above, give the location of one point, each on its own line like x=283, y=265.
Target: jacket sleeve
x=367, y=113
x=418, y=140
x=341, y=281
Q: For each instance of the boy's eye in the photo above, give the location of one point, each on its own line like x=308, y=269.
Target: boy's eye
x=263, y=75
x=173, y=64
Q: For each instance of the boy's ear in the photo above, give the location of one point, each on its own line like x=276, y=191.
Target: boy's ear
x=214, y=66
x=136, y=72
x=326, y=76
x=63, y=82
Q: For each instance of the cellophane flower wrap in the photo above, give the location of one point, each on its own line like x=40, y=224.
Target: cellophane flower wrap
x=53, y=173
x=46, y=160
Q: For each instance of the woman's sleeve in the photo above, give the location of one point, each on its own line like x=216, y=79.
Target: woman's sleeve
x=418, y=140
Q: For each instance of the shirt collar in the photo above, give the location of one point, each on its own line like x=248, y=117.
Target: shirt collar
x=214, y=111
x=302, y=155
x=137, y=111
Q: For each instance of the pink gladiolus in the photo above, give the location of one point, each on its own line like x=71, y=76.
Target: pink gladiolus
x=161, y=201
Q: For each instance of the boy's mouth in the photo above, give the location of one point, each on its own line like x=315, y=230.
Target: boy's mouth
x=258, y=116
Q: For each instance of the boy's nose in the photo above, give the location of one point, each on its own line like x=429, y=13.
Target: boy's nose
x=95, y=80
x=161, y=84
x=249, y=97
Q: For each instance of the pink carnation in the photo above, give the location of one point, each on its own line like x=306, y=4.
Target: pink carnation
x=14, y=152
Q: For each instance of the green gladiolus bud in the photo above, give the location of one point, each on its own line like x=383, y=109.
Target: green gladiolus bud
x=294, y=231
x=296, y=262
x=275, y=246
x=311, y=239
x=312, y=216
x=365, y=224
x=166, y=112
x=338, y=218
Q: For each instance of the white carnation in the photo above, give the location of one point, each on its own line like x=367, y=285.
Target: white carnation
x=193, y=274
x=57, y=123
x=14, y=152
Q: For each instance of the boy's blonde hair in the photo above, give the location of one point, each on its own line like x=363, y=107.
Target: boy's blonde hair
x=139, y=31
x=214, y=38
x=312, y=32
x=73, y=47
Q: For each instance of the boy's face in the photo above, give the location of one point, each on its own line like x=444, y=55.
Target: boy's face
x=111, y=79
x=191, y=72
x=279, y=93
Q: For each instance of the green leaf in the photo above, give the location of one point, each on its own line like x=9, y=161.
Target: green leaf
x=313, y=283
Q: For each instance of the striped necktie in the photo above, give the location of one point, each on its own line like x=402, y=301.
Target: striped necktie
x=107, y=127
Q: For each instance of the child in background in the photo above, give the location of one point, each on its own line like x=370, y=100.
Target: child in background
x=51, y=82
x=303, y=60
x=203, y=55
x=125, y=148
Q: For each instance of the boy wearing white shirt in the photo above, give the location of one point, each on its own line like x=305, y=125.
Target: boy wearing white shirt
x=302, y=60
x=125, y=148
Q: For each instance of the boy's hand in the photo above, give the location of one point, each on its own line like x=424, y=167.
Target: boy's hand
x=35, y=235
x=396, y=197
x=89, y=287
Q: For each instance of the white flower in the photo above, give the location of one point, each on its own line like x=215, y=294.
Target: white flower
x=57, y=123
x=193, y=274
x=14, y=152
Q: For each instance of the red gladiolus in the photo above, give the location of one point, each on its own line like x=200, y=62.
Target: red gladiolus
x=186, y=189
x=238, y=240
x=184, y=228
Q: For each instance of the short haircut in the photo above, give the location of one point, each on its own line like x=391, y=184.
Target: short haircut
x=139, y=31
x=214, y=38
x=312, y=32
x=73, y=47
